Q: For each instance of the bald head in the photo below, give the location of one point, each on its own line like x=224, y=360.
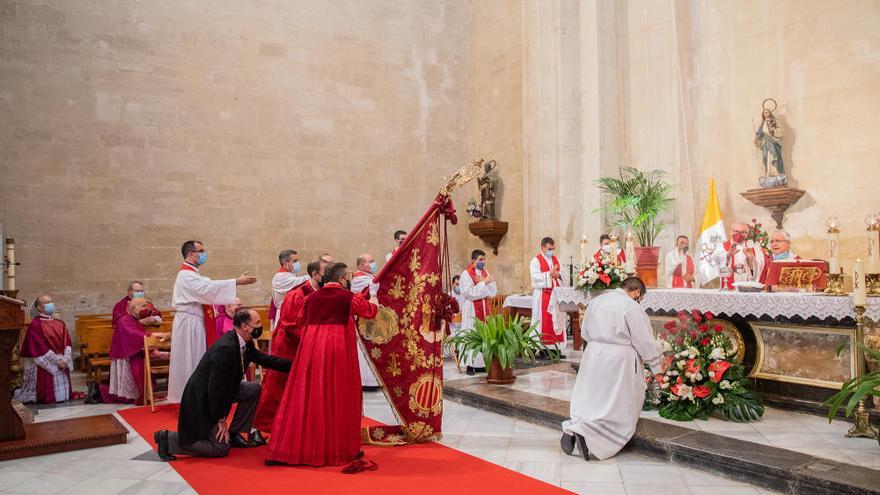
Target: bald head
x=136, y=305
x=363, y=262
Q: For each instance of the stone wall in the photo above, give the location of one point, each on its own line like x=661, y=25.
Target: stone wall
x=128, y=127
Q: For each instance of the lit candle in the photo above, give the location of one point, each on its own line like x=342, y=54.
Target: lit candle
x=833, y=243
x=10, y=267
x=630, y=253
x=583, y=249
x=860, y=294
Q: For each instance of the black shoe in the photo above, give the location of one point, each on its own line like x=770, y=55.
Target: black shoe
x=272, y=463
x=470, y=370
x=94, y=394
x=567, y=443
x=582, y=445
x=258, y=438
x=371, y=388
x=161, y=439
x=237, y=441
x=480, y=370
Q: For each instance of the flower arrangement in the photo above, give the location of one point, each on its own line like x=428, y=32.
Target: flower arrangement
x=698, y=375
x=473, y=210
x=600, y=274
x=758, y=236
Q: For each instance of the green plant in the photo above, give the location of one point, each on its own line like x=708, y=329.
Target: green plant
x=637, y=201
x=856, y=389
x=501, y=338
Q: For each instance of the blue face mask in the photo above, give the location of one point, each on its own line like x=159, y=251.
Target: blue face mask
x=480, y=265
x=457, y=290
x=549, y=253
x=137, y=295
x=296, y=267
x=374, y=268
x=780, y=256
x=203, y=258
x=49, y=308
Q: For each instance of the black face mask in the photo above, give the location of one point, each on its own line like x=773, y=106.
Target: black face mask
x=256, y=332
x=685, y=249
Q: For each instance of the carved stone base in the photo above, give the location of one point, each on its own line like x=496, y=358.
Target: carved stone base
x=776, y=199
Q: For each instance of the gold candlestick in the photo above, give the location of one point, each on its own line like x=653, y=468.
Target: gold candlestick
x=872, y=284
x=835, y=284
x=861, y=418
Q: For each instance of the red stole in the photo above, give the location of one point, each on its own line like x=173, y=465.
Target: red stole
x=677, y=277
x=548, y=334
x=481, y=307
x=208, y=313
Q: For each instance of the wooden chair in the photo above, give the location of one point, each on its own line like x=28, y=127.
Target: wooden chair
x=95, y=341
x=82, y=323
x=151, y=369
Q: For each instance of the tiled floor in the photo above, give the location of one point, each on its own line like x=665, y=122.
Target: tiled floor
x=520, y=446
x=805, y=433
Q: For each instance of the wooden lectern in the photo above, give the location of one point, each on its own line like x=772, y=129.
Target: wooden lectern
x=11, y=325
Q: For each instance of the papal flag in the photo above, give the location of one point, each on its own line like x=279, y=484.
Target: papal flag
x=712, y=237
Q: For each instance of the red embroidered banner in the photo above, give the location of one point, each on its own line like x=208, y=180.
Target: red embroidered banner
x=404, y=341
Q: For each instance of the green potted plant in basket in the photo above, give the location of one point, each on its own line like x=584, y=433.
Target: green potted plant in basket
x=637, y=200
x=501, y=340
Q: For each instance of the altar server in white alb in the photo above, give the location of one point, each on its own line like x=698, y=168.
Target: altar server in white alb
x=193, y=329
x=545, y=274
x=477, y=286
x=363, y=278
x=285, y=280
x=610, y=387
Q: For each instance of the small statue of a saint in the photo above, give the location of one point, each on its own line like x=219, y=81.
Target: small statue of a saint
x=768, y=140
x=487, y=184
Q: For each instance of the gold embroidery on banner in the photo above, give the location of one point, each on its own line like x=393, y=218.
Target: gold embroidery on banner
x=393, y=367
x=419, y=431
x=414, y=263
x=427, y=332
x=433, y=236
x=378, y=433
x=426, y=395
x=396, y=290
x=398, y=392
x=376, y=353
x=382, y=328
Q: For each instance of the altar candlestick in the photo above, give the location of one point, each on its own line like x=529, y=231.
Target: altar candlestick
x=873, y=252
x=833, y=243
x=860, y=294
x=10, y=264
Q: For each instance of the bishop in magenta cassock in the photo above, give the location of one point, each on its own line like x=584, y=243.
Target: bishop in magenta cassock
x=127, y=355
x=46, y=357
x=360, y=281
x=477, y=286
x=225, y=312
x=679, y=265
x=285, y=342
x=544, y=271
x=193, y=329
x=319, y=419
x=136, y=289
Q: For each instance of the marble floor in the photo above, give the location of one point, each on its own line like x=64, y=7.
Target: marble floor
x=133, y=469
x=790, y=430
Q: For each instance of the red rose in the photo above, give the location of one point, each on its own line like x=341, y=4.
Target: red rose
x=674, y=389
x=679, y=341
x=696, y=316
x=673, y=331
x=718, y=328
x=659, y=377
x=704, y=341
x=669, y=325
x=679, y=380
x=663, y=336
x=693, y=335
x=667, y=362
x=605, y=278
x=682, y=316
x=701, y=391
x=719, y=368
x=693, y=366
x=704, y=328
x=709, y=315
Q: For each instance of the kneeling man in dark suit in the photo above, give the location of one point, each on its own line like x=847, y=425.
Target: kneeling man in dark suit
x=211, y=390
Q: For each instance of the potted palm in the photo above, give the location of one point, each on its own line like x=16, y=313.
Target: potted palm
x=637, y=199
x=501, y=340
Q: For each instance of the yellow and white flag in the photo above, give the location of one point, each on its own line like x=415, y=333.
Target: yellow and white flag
x=712, y=237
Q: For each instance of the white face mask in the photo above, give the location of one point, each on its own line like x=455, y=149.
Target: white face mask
x=606, y=248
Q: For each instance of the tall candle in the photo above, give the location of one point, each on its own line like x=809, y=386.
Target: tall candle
x=10, y=267
x=630, y=253
x=860, y=294
x=873, y=254
x=833, y=243
x=583, y=249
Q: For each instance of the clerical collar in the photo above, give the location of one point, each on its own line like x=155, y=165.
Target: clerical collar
x=190, y=264
x=241, y=342
x=45, y=317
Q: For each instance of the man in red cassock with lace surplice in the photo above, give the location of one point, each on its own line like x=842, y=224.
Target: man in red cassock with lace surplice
x=285, y=342
x=319, y=419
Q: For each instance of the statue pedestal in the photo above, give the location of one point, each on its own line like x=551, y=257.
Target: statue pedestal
x=490, y=231
x=776, y=199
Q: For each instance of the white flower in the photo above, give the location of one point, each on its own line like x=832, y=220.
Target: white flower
x=698, y=377
x=681, y=363
x=717, y=353
x=664, y=385
x=673, y=373
x=724, y=385
x=711, y=374
x=718, y=399
x=666, y=346
x=693, y=352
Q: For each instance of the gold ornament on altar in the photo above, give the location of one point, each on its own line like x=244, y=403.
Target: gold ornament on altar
x=835, y=271
x=872, y=273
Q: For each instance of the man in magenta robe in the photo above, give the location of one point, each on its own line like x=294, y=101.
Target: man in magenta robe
x=127, y=355
x=319, y=419
x=285, y=341
x=136, y=289
x=46, y=357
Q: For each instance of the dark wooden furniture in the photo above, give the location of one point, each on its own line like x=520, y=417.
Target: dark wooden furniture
x=11, y=325
x=51, y=437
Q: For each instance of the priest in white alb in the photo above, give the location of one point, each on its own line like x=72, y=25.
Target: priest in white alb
x=285, y=280
x=360, y=281
x=544, y=271
x=680, y=267
x=193, y=329
x=476, y=286
x=610, y=387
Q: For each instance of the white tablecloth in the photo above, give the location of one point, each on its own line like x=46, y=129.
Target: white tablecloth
x=521, y=301
x=757, y=304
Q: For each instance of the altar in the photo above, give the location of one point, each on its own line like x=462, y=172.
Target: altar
x=563, y=301
x=787, y=341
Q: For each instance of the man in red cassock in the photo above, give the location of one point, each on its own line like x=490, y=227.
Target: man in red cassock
x=46, y=357
x=544, y=271
x=285, y=341
x=319, y=419
x=135, y=290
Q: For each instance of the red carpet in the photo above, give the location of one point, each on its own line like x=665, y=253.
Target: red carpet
x=424, y=469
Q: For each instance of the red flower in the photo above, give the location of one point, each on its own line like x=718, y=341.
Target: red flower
x=679, y=380
x=754, y=220
x=679, y=341
x=663, y=336
x=701, y=391
x=605, y=278
x=674, y=389
x=704, y=341
x=667, y=362
x=693, y=335
x=719, y=368
x=673, y=331
x=693, y=366
x=704, y=328
x=718, y=328
x=659, y=377
x=682, y=316
x=709, y=315
x=669, y=325
x=696, y=316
